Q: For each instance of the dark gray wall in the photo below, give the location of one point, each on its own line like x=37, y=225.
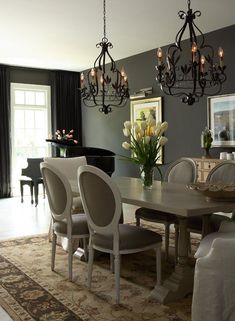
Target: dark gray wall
x=30, y=76
x=185, y=122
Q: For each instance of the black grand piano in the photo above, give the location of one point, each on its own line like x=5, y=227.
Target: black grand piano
x=99, y=157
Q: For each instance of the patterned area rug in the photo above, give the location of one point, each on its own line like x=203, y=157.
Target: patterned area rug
x=29, y=290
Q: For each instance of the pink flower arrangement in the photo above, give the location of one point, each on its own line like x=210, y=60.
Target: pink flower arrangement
x=61, y=135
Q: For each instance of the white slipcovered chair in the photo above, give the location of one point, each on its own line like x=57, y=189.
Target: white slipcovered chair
x=103, y=206
x=214, y=279
x=64, y=224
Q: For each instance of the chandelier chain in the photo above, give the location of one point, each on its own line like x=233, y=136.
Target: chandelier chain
x=189, y=2
x=104, y=12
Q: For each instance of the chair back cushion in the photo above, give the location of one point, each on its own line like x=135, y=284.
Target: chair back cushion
x=58, y=191
x=183, y=171
x=223, y=172
x=67, y=166
x=100, y=198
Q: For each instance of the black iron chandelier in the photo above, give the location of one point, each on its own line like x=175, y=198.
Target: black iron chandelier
x=105, y=85
x=197, y=76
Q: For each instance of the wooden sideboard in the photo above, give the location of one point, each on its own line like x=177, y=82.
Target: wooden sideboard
x=204, y=165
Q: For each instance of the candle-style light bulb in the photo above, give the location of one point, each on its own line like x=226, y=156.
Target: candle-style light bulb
x=159, y=55
x=194, y=50
x=123, y=74
x=221, y=56
x=194, y=47
x=92, y=72
x=101, y=79
x=203, y=60
x=82, y=78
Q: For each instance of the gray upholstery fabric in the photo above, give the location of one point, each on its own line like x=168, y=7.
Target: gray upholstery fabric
x=57, y=195
x=224, y=173
x=131, y=237
x=79, y=225
x=181, y=173
x=96, y=191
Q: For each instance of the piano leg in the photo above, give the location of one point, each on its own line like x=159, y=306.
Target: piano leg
x=36, y=192
x=28, y=182
x=22, y=191
x=31, y=191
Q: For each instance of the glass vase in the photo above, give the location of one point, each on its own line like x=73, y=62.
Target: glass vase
x=147, y=176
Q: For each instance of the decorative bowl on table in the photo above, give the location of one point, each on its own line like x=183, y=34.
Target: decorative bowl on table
x=219, y=191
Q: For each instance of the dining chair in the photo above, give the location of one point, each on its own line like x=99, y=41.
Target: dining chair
x=183, y=171
x=64, y=224
x=103, y=206
x=214, y=282
x=222, y=172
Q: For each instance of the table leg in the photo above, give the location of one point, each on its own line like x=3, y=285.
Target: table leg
x=180, y=282
x=206, y=226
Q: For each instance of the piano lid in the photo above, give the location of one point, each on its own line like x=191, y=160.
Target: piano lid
x=74, y=149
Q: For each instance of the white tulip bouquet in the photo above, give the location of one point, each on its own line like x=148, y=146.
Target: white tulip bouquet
x=145, y=143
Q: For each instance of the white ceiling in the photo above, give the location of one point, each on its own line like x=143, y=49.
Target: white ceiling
x=62, y=34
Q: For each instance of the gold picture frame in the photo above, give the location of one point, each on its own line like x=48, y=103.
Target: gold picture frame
x=142, y=108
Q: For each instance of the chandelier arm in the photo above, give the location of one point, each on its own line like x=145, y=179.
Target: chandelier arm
x=179, y=36
x=201, y=35
x=113, y=64
x=93, y=86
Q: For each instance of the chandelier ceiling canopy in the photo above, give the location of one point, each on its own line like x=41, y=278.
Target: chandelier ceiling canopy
x=105, y=85
x=191, y=72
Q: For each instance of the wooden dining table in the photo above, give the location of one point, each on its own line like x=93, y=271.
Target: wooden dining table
x=176, y=199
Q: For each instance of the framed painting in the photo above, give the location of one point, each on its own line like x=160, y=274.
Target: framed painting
x=141, y=109
x=221, y=120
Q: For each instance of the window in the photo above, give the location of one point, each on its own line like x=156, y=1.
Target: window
x=31, y=125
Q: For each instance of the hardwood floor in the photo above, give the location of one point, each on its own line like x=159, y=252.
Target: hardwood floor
x=22, y=219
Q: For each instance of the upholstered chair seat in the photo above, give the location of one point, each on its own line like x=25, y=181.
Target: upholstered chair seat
x=79, y=225
x=130, y=237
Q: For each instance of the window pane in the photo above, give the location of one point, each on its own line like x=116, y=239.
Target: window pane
x=40, y=119
x=19, y=119
x=29, y=119
x=40, y=98
x=29, y=98
x=19, y=97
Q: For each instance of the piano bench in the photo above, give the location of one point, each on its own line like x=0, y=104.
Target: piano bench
x=33, y=184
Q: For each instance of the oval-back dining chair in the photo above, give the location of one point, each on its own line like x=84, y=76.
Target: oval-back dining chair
x=64, y=224
x=222, y=172
x=103, y=206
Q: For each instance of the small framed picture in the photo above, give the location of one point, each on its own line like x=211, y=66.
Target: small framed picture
x=221, y=120
x=143, y=108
